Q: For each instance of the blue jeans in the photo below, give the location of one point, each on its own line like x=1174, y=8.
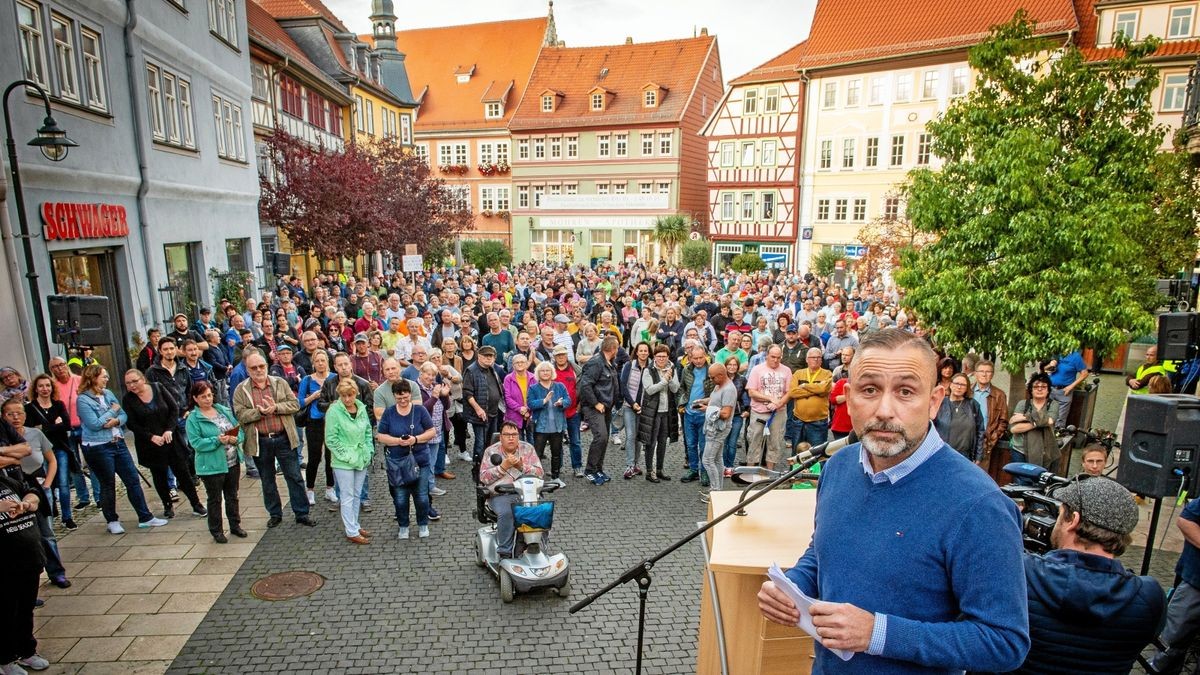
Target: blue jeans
x=729, y=456
x=279, y=449
x=81, y=481
x=439, y=463
x=62, y=483
x=363, y=496
x=483, y=438
x=693, y=438
x=573, y=424
x=108, y=461
x=506, y=531
x=814, y=433
x=54, y=566
x=794, y=430
x=419, y=492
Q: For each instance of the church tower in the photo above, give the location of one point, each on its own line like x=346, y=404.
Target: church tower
x=383, y=24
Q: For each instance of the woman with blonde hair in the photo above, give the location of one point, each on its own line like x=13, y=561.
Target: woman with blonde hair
x=348, y=437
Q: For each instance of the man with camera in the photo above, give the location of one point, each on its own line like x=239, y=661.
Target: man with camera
x=1087, y=613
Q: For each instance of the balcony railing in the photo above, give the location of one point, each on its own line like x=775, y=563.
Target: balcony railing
x=1191, y=111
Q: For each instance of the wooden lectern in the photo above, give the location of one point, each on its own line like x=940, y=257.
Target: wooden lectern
x=776, y=529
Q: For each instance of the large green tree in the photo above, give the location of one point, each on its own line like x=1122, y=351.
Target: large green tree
x=1042, y=205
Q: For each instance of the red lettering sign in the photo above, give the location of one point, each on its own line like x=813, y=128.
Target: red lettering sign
x=66, y=220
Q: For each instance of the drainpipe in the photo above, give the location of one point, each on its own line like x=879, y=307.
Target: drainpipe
x=139, y=142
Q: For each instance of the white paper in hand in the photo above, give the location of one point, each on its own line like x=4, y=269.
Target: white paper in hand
x=803, y=603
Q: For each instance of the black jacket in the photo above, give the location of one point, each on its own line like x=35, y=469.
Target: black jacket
x=1088, y=614
x=176, y=386
x=598, y=384
x=329, y=395
x=145, y=422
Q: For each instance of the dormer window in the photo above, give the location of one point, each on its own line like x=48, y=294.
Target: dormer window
x=651, y=98
x=462, y=74
x=493, y=110
x=652, y=94
x=548, y=103
x=597, y=101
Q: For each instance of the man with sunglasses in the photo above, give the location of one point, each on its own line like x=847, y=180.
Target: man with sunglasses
x=1087, y=613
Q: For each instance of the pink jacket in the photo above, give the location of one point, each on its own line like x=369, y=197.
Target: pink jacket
x=514, y=400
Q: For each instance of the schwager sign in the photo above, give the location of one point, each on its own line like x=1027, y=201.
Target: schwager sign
x=65, y=220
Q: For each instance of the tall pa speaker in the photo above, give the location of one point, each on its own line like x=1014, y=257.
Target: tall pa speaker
x=281, y=264
x=1159, y=451
x=1177, y=336
x=79, y=319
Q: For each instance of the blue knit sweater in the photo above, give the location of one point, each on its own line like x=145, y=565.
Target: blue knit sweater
x=938, y=553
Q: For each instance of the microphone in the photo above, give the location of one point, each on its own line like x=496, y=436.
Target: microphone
x=823, y=450
x=1034, y=472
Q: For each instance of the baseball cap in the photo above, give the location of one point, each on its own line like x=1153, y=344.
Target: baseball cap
x=361, y=337
x=560, y=350
x=179, y=315
x=487, y=350
x=1101, y=501
x=285, y=347
x=792, y=328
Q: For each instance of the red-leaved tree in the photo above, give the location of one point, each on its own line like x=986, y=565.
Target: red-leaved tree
x=415, y=206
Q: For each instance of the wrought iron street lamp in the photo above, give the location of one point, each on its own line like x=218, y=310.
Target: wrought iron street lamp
x=53, y=142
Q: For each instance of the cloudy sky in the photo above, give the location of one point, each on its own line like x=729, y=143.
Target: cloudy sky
x=748, y=31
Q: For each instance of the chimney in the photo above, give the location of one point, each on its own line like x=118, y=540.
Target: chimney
x=704, y=30
x=628, y=40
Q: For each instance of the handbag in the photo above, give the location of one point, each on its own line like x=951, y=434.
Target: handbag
x=402, y=469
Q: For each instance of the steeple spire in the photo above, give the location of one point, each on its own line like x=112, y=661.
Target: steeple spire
x=551, y=38
x=383, y=24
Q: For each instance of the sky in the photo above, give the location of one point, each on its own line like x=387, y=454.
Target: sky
x=748, y=32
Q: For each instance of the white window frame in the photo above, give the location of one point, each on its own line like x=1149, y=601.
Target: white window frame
x=405, y=129
x=370, y=118
x=898, y=143
x=750, y=102
x=523, y=148
x=746, y=154
x=487, y=153
x=621, y=145
x=930, y=85
x=727, y=206
x=493, y=110
x=547, y=103
x=924, y=148
x=421, y=150
x=871, y=156
x=771, y=101
x=853, y=92
x=601, y=188
x=665, y=143
x=571, y=189
x=647, y=144
x=230, y=134
x=572, y=147
x=849, y=152
x=829, y=96
x=650, y=98
x=222, y=20
x=727, y=153
x=603, y=145
x=823, y=210
x=859, y=212
x=522, y=196
x=770, y=155
x=66, y=70
x=891, y=208
x=556, y=147
x=825, y=154
x=539, y=191
x=747, y=203
x=664, y=187
x=462, y=153
x=619, y=187
x=170, y=99
x=32, y=38
x=960, y=79
x=904, y=88
x=539, y=148
x=645, y=188
x=841, y=210
x=597, y=102
x=875, y=90
x=1176, y=17
x=445, y=154
x=93, y=68
x=360, y=113
x=1123, y=18
x=1174, y=96
x=767, y=206
x=157, y=114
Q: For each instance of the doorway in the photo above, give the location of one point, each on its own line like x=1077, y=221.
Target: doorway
x=95, y=273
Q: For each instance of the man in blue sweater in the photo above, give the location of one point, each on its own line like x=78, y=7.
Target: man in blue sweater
x=916, y=556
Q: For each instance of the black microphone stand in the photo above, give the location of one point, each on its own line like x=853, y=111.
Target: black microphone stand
x=641, y=571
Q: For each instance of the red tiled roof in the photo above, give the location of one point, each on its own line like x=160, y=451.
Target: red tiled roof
x=782, y=67
x=264, y=30
x=672, y=64
x=502, y=52
x=853, y=31
x=301, y=9
x=1166, y=50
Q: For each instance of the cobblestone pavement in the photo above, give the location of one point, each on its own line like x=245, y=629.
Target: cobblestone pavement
x=423, y=605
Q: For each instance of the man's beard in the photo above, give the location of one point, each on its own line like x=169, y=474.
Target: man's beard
x=885, y=450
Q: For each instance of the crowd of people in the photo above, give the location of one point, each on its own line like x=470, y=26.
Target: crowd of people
x=315, y=380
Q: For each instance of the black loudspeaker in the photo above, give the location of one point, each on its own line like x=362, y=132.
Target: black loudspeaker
x=79, y=320
x=281, y=264
x=1177, y=336
x=1159, y=451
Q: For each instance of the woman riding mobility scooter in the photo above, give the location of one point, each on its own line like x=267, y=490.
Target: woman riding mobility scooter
x=516, y=520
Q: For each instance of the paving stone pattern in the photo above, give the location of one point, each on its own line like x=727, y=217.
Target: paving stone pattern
x=424, y=606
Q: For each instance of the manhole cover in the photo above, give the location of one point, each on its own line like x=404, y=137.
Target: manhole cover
x=287, y=585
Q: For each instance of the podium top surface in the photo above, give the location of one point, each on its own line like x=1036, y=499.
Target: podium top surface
x=777, y=529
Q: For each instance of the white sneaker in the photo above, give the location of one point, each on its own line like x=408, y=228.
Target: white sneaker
x=464, y=456
x=13, y=669
x=423, y=531
x=153, y=522
x=115, y=527
x=436, y=491
x=331, y=495
x=35, y=662
x=312, y=498
x=403, y=533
